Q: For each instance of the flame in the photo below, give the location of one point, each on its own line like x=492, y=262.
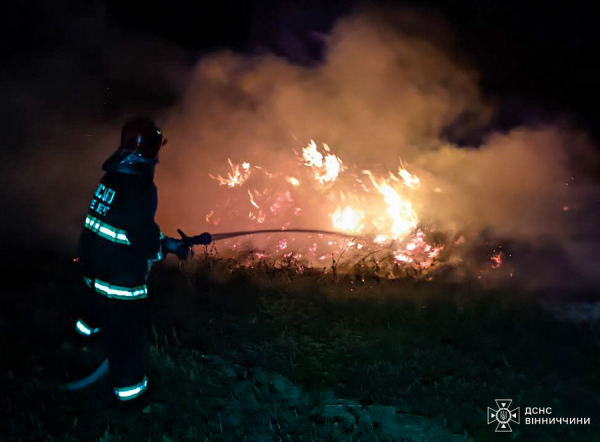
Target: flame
x=409, y=179
x=293, y=181
x=401, y=257
x=380, y=239
x=252, y=200
x=326, y=167
x=379, y=208
x=418, y=250
x=239, y=174
x=348, y=219
x=400, y=210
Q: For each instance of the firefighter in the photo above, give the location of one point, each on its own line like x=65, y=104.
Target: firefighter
x=118, y=245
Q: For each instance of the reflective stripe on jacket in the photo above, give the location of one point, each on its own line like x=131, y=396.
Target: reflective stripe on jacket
x=119, y=236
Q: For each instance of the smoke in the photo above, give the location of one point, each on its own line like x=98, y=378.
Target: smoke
x=390, y=86
x=384, y=93
x=379, y=96
x=517, y=183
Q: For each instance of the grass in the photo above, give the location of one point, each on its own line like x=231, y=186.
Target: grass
x=438, y=350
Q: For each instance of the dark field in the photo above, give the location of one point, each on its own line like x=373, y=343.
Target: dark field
x=266, y=354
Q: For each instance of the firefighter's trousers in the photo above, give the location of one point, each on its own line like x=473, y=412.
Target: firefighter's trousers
x=122, y=325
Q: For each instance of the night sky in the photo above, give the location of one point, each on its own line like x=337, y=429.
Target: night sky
x=545, y=54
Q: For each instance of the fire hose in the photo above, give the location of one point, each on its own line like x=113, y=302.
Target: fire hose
x=103, y=369
x=200, y=239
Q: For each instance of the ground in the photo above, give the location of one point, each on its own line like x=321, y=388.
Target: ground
x=266, y=354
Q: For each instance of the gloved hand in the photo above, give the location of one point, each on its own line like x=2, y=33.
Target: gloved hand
x=203, y=239
x=177, y=247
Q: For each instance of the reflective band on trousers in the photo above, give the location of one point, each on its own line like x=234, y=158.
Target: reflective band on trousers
x=106, y=231
x=128, y=393
x=118, y=292
x=84, y=329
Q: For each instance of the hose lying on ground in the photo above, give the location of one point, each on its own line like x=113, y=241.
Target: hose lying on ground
x=98, y=374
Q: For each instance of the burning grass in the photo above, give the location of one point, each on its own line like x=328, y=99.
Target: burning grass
x=376, y=207
x=435, y=350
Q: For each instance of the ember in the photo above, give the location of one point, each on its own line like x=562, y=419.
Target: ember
x=497, y=260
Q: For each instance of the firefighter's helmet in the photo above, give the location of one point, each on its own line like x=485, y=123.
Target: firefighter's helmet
x=140, y=135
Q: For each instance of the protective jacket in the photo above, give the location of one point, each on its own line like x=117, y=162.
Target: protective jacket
x=120, y=238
